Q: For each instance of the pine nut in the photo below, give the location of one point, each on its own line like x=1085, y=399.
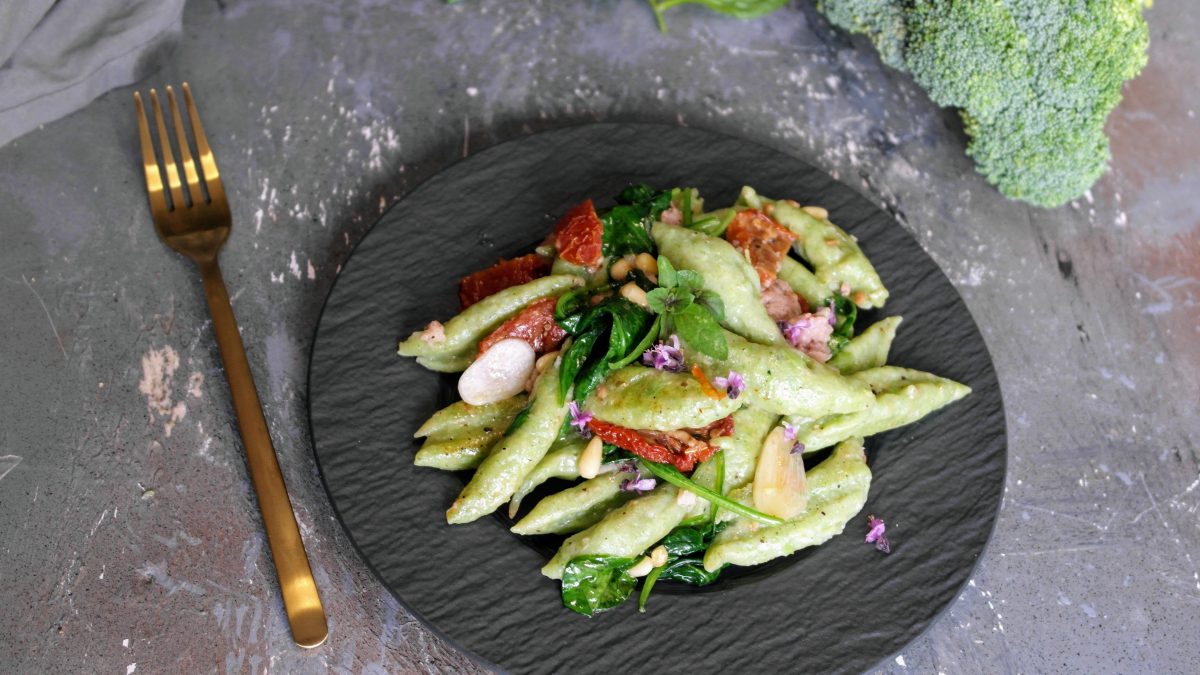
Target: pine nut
x=646, y=263
x=544, y=361
x=620, y=269
x=589, y=460
x=817, y=212
x=633, y=293
x=659, y=556
x=642, y=568
x=859, y=297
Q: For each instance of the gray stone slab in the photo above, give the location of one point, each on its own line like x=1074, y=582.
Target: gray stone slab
x=129, y=537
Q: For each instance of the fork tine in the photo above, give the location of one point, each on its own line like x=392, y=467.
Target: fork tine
x=164, y=143
x=212, y=178
x=154, y=183
x=185, y=153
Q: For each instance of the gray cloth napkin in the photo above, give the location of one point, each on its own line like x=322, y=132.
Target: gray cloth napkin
x=56, y=56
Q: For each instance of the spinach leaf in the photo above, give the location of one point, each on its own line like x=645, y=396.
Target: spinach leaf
x=647, y=340
x=573, y=359
x=846, y=313
x=697, y=326
x=571, y=309
x=629, y=322
x=689, y=571
x=654, y=201
x=627, y=225
x=595, y=583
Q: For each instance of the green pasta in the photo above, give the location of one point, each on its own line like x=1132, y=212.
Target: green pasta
x=837, y=490
x=727, y=274
x=561, y=462
x=463, y=332
x=804, y=283
x=644, y=398
x=868, y=349
x=785, y=381
x=459, y=435
x=902, y=396
x=575, y=508
x=514, y=456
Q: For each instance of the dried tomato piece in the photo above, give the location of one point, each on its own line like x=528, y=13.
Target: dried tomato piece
x=579, y=236
x=683, y=449
x=764, y=240
x=504, y=274
x=535, y=324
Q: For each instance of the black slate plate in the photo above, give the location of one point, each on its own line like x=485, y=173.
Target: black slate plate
x=839, y=607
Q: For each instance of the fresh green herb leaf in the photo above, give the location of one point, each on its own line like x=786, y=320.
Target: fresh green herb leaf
x=595, y=583
x=647, y=585
x=625, y=231
x=591, y=376
x=689, y=571
x=571, y=308
x=645, y=343
x=573, y=359
x=629, y=322
x=690, y=279
x=711, y=301
x=698, y=328
x=846, y=313
x=674, y=477
x=666, y=273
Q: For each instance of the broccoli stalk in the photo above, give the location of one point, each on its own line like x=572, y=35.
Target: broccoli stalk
x=1035, y=80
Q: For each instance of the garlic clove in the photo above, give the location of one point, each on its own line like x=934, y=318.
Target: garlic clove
x=780, y=486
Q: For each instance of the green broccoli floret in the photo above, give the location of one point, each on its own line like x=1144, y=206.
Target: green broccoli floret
x=1035, y=79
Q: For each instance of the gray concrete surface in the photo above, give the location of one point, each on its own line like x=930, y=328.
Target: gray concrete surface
x=129, y=540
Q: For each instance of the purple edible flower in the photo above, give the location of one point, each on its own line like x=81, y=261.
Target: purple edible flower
x=832, y=314
x=638, y=484
x=875, y=534
x=663, y=356
x=580, y=419
x=733, y=385
x=789, y=432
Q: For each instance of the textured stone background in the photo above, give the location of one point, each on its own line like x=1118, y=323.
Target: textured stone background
x=129, y=538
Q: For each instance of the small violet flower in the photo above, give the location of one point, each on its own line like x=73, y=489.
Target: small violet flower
x=580, y=419
x=733, y=385
x=789, y=432
x=664, y=356
x=638, y=484
x=875, y=534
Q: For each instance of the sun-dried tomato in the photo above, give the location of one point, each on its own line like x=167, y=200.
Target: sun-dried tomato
x=764, y=240
x=665, y=447
x=535, y=324
x=502, y=275
x=579, y=236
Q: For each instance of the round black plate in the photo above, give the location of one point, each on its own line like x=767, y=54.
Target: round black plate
x=839, y=607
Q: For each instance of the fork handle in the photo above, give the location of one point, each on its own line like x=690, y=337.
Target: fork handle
x=300, y=597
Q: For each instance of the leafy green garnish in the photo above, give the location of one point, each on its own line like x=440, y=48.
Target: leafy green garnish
x=595, y=583
x=846, y=312
x=627, y=225
x=574, y=358
x=689, y=310
x=612, y=331
x=674, y=477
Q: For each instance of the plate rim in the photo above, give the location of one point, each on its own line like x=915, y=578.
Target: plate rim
x=430, y=625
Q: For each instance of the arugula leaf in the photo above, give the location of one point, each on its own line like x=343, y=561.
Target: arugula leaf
x=700, y=330
x=595, y=583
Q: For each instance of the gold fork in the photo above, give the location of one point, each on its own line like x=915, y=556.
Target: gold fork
x=197, y=227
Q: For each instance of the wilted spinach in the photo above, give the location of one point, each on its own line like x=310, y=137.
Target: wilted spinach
x=627, y=225
x=595, y=583
x=845, y=313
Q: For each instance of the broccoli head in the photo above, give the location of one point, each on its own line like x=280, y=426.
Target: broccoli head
x=1035, y=80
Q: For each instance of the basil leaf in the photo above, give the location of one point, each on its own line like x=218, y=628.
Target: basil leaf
x=666, y=272
x=674, y=477
x=690, y=279
x=711, y=301
x=697, y=327
x=571, y=308
x=657, y=299
x=572, y=360
x=595, y=583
